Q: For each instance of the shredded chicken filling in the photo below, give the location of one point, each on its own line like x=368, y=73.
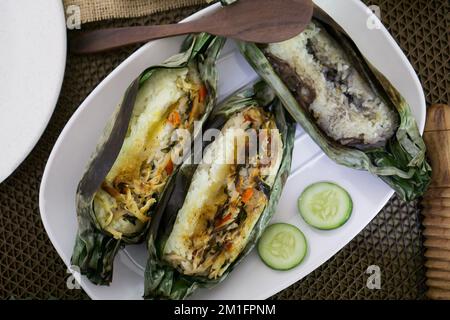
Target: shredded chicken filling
x=123, y=204
x=225, y=223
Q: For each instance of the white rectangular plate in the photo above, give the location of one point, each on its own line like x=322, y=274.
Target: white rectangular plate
x=251, y=279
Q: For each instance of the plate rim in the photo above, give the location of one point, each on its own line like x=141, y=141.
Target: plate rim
x=420, y=121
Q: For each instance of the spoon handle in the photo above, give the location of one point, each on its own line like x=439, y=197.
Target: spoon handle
x=106, y=39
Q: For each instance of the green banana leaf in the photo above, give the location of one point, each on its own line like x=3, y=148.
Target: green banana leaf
x=162, y=281
x=401, y=163
x=95, y=248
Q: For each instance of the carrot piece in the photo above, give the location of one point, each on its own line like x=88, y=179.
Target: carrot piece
x=194, y=109
x=202, y=94
x=174, y=118
x=110, y=190
x=228, y=246
x=247, y=195
x=248, y=118
x=223, y=220
x=169, y=167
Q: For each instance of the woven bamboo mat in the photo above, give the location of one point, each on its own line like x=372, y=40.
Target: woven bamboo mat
x=31, y=268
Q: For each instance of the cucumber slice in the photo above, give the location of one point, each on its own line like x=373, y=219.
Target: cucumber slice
x=325, y=205
x=282, y=246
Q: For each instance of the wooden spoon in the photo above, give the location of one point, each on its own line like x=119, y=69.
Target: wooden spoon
x=260, y=21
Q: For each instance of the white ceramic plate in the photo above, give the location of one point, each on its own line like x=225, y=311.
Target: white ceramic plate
x=251, y=279
x=32, y=62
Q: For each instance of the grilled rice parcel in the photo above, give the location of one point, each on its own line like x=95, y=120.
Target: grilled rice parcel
x=134, y=161
x=349, y=108
x=216, y=210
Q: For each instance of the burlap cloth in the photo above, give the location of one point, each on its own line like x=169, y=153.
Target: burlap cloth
x=31, y=268
x=95, y=10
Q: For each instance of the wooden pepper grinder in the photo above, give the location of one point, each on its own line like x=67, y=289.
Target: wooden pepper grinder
x=436, y=203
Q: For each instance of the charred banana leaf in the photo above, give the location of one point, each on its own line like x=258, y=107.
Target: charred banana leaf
x=347, y=106
x=129, y=171
x=213, y=212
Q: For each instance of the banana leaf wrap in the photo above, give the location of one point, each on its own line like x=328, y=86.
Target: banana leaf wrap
x=163, y=281
x=95, y=248
x=227, y=2
x=401, y=162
